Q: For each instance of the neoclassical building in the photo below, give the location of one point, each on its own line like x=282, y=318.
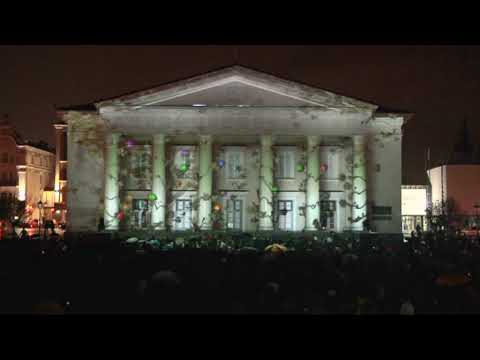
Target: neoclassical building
x=234, y=149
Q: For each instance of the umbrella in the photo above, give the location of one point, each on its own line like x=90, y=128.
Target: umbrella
x=276, y=248
x=452, y=280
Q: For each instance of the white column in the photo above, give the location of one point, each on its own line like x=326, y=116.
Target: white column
x=359, y=173
x=266, y=183
x=312, y=212
x=22, y=184
x=205, y=183
x=112, y=200
x=59, y=150
x=58, y=139
x=159, y=182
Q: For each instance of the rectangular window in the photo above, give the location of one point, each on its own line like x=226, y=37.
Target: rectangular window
x=183, y=163
x=183, y=214
x=329, y=159
x=285, y=164
x=141, y=213
x=327, y=214
x=382, y=210
x=234, y=164
x=382, y=213
x=285, y=215
x=234, y=214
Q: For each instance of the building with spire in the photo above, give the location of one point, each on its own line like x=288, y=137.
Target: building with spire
x=455, y=182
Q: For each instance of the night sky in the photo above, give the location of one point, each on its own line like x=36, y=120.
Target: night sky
x=440, y=84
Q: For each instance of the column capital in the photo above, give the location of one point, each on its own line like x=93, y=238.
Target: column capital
x=112, y=138
x=359, y=139
x=159, y=138
x=205, y=139
x=266, y=140
x=60, y=127
x=313, y=140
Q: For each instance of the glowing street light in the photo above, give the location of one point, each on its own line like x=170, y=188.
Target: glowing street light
x=40, y=207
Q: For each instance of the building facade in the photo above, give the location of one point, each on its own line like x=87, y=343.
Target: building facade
x=234, y=149
x=26, y=171
x=35, y=179
x=456, y=186
x=8, y=161
x=57, y=197
x=454, y=183
x=414, y=207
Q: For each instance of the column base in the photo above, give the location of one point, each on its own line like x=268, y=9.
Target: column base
x=265, y=228
x=357, y=229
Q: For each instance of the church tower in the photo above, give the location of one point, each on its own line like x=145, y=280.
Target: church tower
x=463, y=148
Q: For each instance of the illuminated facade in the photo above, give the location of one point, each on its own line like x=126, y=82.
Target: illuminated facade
x=35, y=178
x=8, y=160
x=234, y=149
x=414, y=207
x=454, y=183
x=56, y=198
x=457, y=185
x=26, y=171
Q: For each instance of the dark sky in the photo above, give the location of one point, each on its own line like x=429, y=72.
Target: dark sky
x=440, y=84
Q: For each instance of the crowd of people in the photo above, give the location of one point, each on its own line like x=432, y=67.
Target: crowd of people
x=432, y=273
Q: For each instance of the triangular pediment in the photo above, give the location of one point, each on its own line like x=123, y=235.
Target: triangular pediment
x=236, y=86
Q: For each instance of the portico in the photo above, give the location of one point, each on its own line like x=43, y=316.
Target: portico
x=245, y=149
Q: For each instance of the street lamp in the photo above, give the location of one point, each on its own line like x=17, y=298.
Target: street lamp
x=40, y=207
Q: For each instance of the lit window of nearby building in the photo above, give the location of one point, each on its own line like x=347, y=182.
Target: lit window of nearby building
x=285, y=167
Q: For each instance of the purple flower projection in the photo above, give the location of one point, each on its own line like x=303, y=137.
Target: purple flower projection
x=221, y=163
x=130, y=143
x=184, y=152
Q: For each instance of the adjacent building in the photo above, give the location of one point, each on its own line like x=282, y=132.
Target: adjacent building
x=8, y=160
x=415, y=201
x=454, y=184
x=26, y=171
x=233, y=149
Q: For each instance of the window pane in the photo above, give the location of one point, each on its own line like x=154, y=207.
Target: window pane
x=238, y=205
x=289, y=164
